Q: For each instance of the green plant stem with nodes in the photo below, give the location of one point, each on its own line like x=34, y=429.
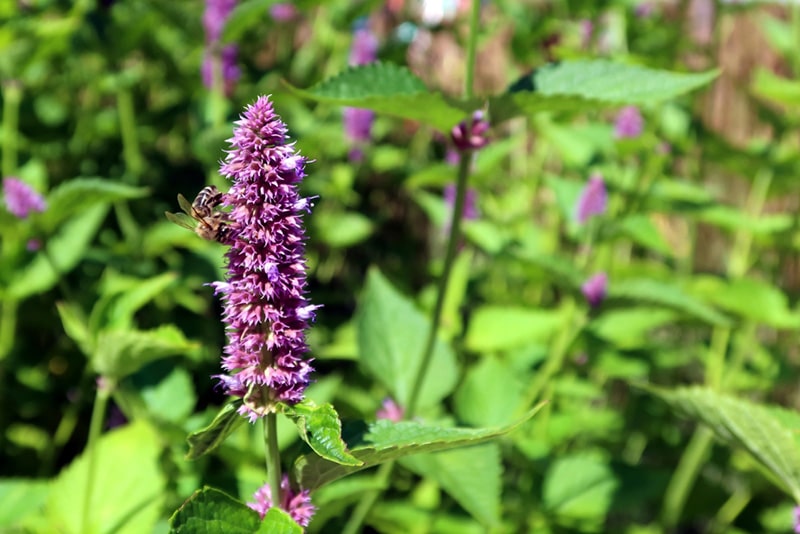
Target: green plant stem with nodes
x=385, y=470
x=104, y=388
x=273, y=456
x=699, y=446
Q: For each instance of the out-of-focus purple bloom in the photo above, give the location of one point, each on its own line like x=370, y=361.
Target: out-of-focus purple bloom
x=265, y=307
x=629, y=123
x=644, y=9
x=21, y=199
x=470, y=201
x=358, y=124
x=471, y=135
x=357, y=121
x=452, y=156
x=796, y=513
x=594, y=289
x=283, y=12
x=364, y=48
x=214, y=19
x=390, y=410
x=593, y=199
x=586, y=31
x=33, y=245
x=297, y=504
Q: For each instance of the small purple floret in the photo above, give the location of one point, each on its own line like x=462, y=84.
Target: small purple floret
x=21, y=199
x=265, y=307
x=297, y=504
x=471, y=135
x=593, y=199
x=594, y=289
x=629, y=123
x=390, y=410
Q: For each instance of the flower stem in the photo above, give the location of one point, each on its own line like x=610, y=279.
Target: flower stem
x=273, y=457
x=472, y=47
x=95, y=429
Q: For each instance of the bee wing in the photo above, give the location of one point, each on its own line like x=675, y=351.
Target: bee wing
x=185, y=205
x=181, y=220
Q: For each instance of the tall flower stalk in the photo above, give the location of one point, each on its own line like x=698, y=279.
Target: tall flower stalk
x=266, y=311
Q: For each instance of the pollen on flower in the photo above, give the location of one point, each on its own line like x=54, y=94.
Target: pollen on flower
x=266, y=311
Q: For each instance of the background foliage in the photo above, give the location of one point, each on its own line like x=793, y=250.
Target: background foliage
x=671, y=405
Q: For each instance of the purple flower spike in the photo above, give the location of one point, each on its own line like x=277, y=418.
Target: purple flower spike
x=364, y=48
x=297, y=504
x=796, y=513
x=390, y=410
x=470, y=201
x=629, y=123
x=594, y=289
x=21, y=199
x=265, y=308
x=471, y=136
x=214, y=19
x=593, y=199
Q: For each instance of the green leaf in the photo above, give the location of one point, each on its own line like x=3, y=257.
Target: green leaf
x=392, y=90
x=389, y=441
x=667, y=295
x=120, y=311
x=320, y=427
x=629, y=328
x=246, y=15
x=391, y=339
x=752, y=299
x=128, y=490
x=66, y=248
x=579, y=486
x=21, y=498
x=489, y=393
x=745, y=424
x=342, y=229
x=75, y=326
x=584, y=85
x=276, y=521
x=505, y=327
x=123, y=352
x=472, y=476
x=210, y=511
x=79, y=194
x=775, y=89
x=209, y=438
x=641, y=230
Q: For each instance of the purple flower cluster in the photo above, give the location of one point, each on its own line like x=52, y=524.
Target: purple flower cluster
x=214, y=19
x=265, y=307
x=628, y=123
x=358, y=121
x=471, y=135
x=21, y=199
x=297, y=504
x=595, y=288
x=593, y=199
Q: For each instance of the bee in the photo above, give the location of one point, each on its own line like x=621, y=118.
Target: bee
x=201, y=216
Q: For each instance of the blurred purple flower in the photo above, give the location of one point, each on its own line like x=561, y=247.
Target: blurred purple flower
x=282, y=12
x=297, y=504
x=390, y=410
x=586, y=31
x=644, y=9
x=593, y=199
x=470, y=201
x=266, y=311
x=21, y=199
x=628, y=123
x=357, y=121
x=364, y=48
x=214, y=19
x=796, y=513
x=33, y=245
x=471, y=135
x=594, y=289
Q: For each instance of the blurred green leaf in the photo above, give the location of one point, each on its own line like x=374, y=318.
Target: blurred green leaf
x=210, y=511
x=75, y=326
x=209, y=438
x=495, y=328
x=128, y=490
x=117, y=312
x=342, y=229
x=392, y=90
x=119, y=353
x=276, y=521
x=472, y=476
x=246, y=15
x=641, y=230
x=489, y=393
x=319, y=426
x=21, y=498
x=75, y=196
x=629, y=328
x=66, y=249
x=775, y=89
x=579, y=486
x=171, y=398
x=391, y=338
x=752, y=299
x=388, y=441
x=742, y=423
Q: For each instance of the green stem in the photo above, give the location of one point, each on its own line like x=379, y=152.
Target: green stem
x=95, y=429
x=360, y=512
x=441, y=290
x=12, y=96
x=8, y=312
x=730, y=510
x=685, y=474
x=131, y=151
x=273, y=457
x=472, y=49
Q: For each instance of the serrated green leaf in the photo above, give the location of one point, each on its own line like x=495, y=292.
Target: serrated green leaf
x=320, y=427
x=668, y=295
x=580, y=487
x=392, y=90
x=21, y=498
x=584, y=85
x=120, y=353
x=79, y=194
x=742, y=423
x=472, y=476
x=128, y=490
x=386, y=441
x=505, y=327
x=209, y=438
x=66, y=248
x=210, y=511
x=391, y=337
